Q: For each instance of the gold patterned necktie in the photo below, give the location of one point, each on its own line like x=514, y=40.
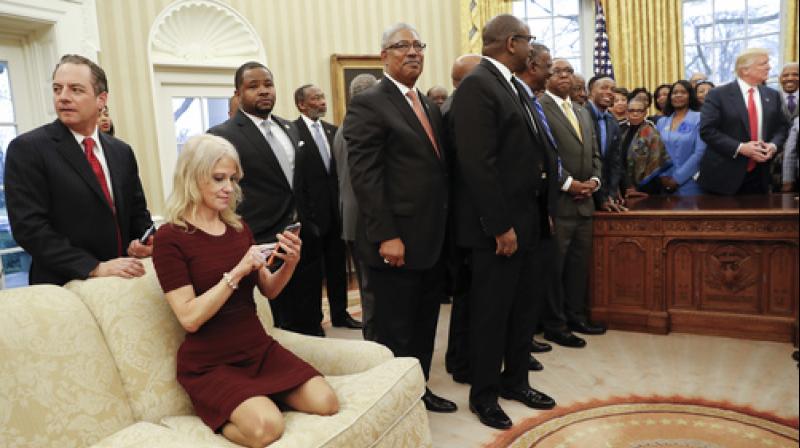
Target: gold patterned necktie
x=573, y=120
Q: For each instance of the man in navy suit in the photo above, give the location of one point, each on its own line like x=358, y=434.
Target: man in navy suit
x=323, y=187
x=743, y=125
x=75, y=201
x=399, y=174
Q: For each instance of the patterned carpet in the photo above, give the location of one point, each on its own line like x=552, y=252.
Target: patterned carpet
x=645, y=422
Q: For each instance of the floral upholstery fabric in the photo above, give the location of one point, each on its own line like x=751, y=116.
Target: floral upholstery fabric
x=143, y=335
x=371, y=404
x=58, y=382
x=149, y=435
x=413, y=430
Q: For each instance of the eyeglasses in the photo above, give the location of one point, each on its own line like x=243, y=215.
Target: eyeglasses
x=405, y=46
x=526, y=37
x=563, y=71
x=636, y=111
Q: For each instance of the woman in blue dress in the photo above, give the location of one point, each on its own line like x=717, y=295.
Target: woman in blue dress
x=680, y=132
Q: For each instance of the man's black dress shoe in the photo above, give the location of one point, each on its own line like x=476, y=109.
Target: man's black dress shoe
x=491, y=415
x=540, y=347
x=587, y=328
x=346, y=321
x=530, y=397
x=534, y=364
x=565, y=339
x=435, y=403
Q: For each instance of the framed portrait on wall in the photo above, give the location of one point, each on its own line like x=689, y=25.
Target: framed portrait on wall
x=343, y=69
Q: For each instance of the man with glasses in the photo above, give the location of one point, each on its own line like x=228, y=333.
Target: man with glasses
x=399, y=174
x=573, y=129
x=499, y=167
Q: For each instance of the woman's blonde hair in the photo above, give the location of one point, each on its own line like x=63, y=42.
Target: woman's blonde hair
x=195, y=165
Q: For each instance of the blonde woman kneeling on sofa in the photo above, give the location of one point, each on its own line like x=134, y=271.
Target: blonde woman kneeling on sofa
x=208, y=263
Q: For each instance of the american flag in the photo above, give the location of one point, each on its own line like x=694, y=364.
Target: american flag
x=602, y=56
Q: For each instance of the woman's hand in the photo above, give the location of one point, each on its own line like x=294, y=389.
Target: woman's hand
x=254, y=259
x=290, y=245
x=669, y=184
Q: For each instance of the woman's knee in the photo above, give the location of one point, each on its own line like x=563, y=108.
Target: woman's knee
x=265, y=430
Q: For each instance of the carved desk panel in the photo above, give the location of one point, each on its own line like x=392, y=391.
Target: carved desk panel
x=706, y=264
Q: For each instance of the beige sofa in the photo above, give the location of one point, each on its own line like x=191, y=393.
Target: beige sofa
x=93, y=364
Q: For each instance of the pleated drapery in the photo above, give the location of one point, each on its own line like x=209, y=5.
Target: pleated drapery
x=646, y=41
x=474, y=15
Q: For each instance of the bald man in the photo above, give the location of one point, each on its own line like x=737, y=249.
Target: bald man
x=461, y=68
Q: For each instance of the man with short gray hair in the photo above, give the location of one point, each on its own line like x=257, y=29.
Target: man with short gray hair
x=399, y=174
x=737, y=160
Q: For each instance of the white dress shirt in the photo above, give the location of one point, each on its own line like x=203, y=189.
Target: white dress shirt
x=310, y=123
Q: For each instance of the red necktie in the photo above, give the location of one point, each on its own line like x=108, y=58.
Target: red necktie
x=423, y=119
x=752, y=116
x=88, y=144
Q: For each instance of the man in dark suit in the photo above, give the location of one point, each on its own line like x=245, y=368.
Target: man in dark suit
x=319, y=172
x=399, y=175
x=275, y=194
x=574, y=131
x=499, y=167
x=534, y=77
x=790, y=87
x=74, y=198
x=743, y=126
x=608, y=135
x=348, y=209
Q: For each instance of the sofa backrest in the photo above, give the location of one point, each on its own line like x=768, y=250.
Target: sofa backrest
x=59, y=385
x=143, y=335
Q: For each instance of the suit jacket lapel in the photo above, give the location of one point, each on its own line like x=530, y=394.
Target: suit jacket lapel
x=72, y=152
x=115, y=168
x=559, y=115
x=294, y=138
x=401, y=104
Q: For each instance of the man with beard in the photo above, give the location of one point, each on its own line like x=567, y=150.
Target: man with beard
x=274, y=193
x=499, y=168
x=319, y=171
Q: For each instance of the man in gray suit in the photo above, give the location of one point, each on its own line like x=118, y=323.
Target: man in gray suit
x=573, y=129
x=348, y=208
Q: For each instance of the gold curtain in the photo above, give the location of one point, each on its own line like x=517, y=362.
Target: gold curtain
x=646, y=41
x=474, y=15
x=790, y=42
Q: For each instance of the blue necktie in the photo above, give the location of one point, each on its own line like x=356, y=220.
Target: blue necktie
x=538, y=107
x=601, y=122
x=319, y=139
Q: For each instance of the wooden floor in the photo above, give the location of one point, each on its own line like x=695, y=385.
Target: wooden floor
x=750, y=373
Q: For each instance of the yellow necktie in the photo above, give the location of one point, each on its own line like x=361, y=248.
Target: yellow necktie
x=573, y=120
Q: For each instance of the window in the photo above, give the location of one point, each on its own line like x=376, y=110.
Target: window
x=15, y=262
x=716, y=31
x=195, y=115
x=556, y=24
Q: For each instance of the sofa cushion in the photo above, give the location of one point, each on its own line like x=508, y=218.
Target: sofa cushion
x=412, y=430
x=58, y=382
x=148, y=435
x=143, y=335
x=371, y=404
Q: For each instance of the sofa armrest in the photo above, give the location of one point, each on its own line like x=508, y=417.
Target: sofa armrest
x=333, y=356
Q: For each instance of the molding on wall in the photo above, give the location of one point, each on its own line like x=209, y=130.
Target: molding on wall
x=203, y=33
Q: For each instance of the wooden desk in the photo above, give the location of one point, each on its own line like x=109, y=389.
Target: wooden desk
x=704, y=264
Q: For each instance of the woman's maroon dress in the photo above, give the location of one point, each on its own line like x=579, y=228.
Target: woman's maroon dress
x=230, y=358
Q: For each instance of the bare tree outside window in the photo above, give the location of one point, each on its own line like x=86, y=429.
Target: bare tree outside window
x=556, y=24
x=715, y=31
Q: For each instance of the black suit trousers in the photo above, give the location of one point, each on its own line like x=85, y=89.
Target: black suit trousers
x=501, y=312
x=298, y=307
x=334, y=264
x=456, y=359
x=407, y=309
